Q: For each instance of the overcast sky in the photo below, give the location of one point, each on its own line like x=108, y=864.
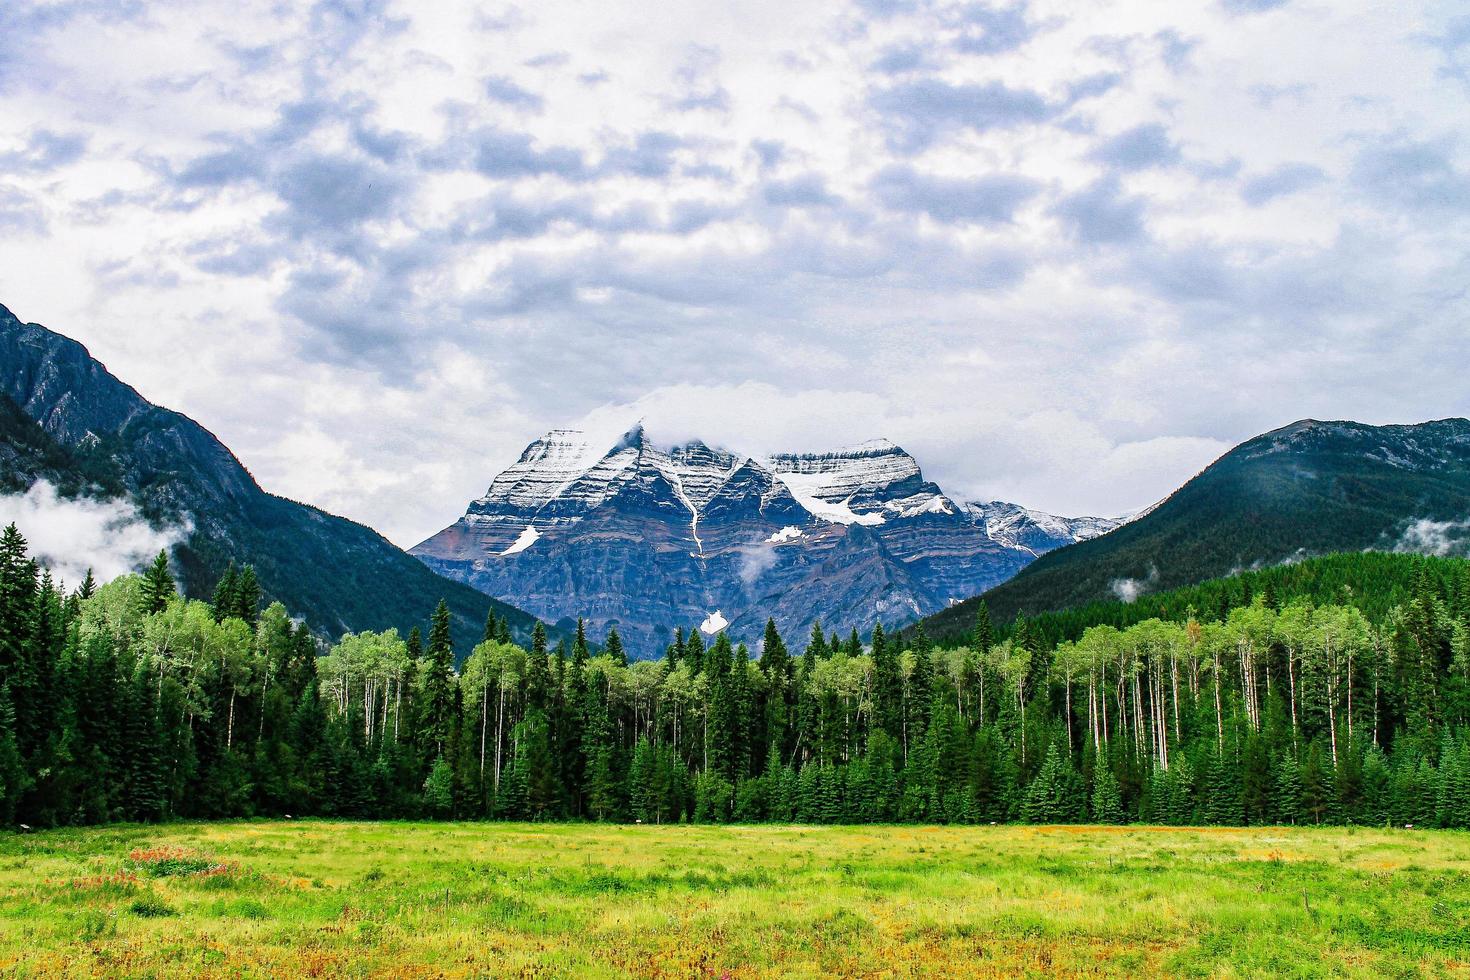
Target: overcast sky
x=1064, y=253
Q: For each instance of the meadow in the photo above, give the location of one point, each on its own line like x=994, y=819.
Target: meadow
x=322, y=898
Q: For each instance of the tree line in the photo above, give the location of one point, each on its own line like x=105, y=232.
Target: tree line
x=126, y=701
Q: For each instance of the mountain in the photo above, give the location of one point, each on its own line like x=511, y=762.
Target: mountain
x=1310, y=488
x=646, y=537
x=65, y=418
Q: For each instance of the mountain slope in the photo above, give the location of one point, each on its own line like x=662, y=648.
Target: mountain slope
x=646, y=537
x=1309, y=488
x=64, y=417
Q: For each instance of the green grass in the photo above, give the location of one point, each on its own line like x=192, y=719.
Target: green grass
x=320, y=898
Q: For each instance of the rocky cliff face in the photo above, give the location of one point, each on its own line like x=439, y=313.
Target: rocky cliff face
x=646, y=538
x=64, y=417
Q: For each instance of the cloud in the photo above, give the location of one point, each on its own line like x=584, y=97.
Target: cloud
x=989, y=199
x=20, y=213
x=918, y=112
x=804, y=191
x=70, y=536
x=1425, y=536
x=899, y=59
x=755, y=560
x=697, y=78
x=1139, y=148
x=498, y=153
x=932, y=220
x=45, y=151
x=1285, y=180
x=1413, y=175
x=499, y=88
x=989, y=29
x=1129, y=589
x=1102, y=214
x=1251, y=6
x=325, y=193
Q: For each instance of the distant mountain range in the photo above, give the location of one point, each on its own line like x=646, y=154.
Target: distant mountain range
x=66, y=419
x=647, y=537
x=1310, y=488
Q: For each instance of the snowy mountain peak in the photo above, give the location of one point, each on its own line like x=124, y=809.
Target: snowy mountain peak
x=1036, y=531
x=645, y=534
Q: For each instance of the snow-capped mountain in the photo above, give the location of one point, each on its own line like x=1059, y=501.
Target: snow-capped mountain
x=648, y=537
x=1036, y=531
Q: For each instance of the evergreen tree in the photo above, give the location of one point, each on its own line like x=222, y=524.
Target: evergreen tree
x=1107, y=799
x=247, y=596
x=438, y=684
x=439, y=790
x=614, y=646
x=224, y=600
x=158, y=586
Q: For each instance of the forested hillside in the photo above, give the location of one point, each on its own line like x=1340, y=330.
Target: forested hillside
x=66, y=419
x=129, y=702
x=1306, y=489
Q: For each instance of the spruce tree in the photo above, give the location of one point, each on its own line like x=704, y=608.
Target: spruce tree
x=1107, y=798
x=224, y=598
x=614, y=647
x=439, y=790
x=158, y=586
x=438, y=684
x=13, y=778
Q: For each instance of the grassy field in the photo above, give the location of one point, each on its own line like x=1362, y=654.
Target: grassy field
x=320, y=898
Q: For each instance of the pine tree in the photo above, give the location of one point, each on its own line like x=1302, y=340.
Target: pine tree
x=614, y=646
x=13, y=779
x=1107, y=799
x=158, y=586
x=1047, y=797
x=224, y=598
x=887, y=688
x=538, y=671
x=1287, y=790
x=438, y=684
x=439, y=790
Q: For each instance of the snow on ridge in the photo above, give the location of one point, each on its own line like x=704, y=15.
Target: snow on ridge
x=787, y=533
x=713, y=623
x=528, y=537
x=806, y=487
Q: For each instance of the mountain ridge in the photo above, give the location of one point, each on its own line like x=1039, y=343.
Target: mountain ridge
x=100, y=436
x=1307, y=488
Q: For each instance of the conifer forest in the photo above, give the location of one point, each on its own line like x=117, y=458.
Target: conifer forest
x=1336, y=691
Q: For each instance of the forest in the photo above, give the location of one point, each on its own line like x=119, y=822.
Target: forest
x=1298, y=695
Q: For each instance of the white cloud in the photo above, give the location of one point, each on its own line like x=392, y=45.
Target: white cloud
x=1129, y=589
x=398, y=246
x=1429, y=537
x=70, y=536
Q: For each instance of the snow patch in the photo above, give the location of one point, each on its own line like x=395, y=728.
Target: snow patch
x=805, y=486
x=528, y=537
x=787, y=533
x=713, y=623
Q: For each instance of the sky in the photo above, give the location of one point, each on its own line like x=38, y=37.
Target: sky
x=1065, y=254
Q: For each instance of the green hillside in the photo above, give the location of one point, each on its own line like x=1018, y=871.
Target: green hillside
x=1310, y=488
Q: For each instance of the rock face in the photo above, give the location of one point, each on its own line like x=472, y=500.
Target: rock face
x=65, y=418
x=646, y=538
